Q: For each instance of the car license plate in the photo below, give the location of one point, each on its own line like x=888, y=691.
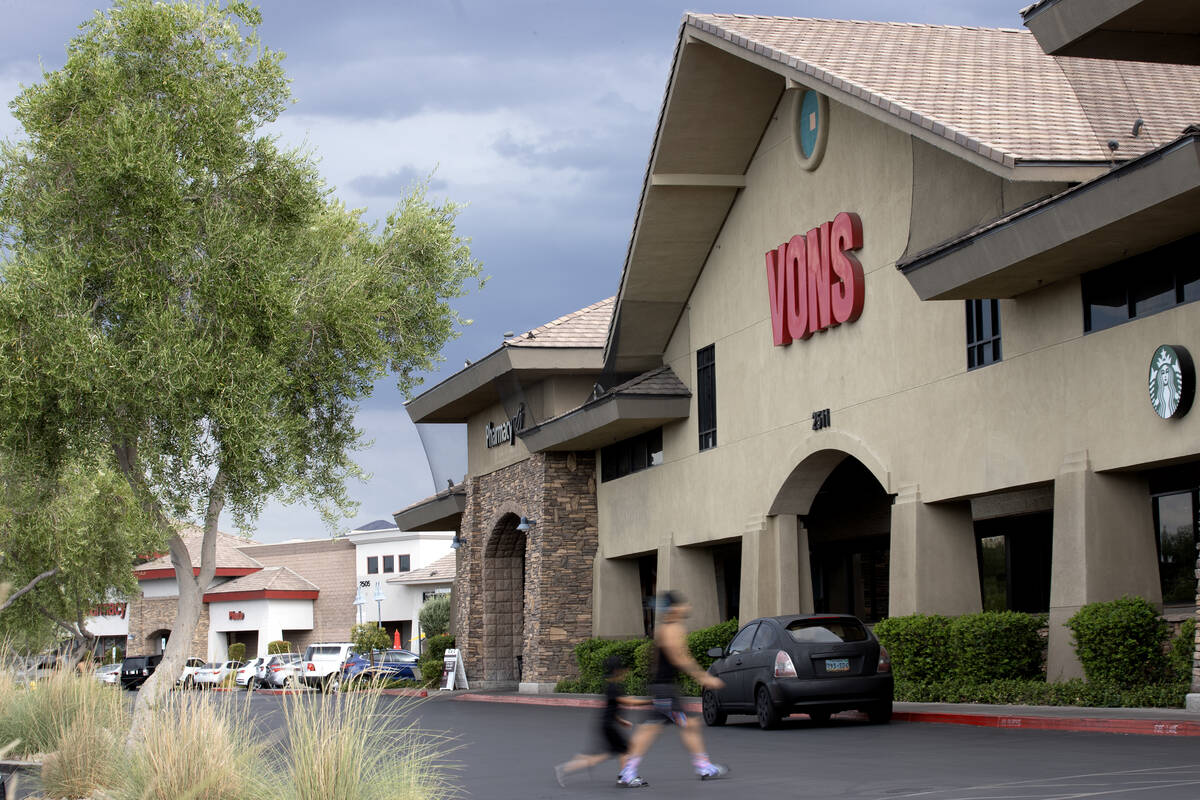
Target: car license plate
x=837, y=665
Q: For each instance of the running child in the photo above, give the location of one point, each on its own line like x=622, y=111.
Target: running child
x=611, y=741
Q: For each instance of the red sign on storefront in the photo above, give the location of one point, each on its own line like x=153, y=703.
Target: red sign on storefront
x=237, y=615
x=109, y=610
x=814, y=282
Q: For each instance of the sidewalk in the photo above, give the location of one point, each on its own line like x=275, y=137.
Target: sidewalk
x=1138, y=721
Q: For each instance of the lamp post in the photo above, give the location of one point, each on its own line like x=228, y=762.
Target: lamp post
x=359, y=602
x=379, y=601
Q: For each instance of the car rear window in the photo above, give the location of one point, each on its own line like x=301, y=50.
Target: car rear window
x=322, y=650
x=827, y=630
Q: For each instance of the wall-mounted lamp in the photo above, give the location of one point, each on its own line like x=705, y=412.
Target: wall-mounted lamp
x=456, y=542
x=525, y=524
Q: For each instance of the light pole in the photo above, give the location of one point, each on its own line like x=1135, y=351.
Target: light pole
x=359, y=602
x=379, y=602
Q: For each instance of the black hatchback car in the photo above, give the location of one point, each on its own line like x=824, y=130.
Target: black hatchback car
x=136, y=669
x=817, y=664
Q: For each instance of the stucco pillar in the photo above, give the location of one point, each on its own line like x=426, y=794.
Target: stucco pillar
x=804, y=569
x=616, y=598
x=1103, y=548
x=770, y=551
x=934, y=567
x=690, y=570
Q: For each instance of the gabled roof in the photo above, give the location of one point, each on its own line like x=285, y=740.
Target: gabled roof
x=440, y=571
x=275, y=583
x=231, y=561
x=587, y=327
x=376, y=525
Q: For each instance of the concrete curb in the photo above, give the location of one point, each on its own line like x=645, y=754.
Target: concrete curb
x=1040, y=722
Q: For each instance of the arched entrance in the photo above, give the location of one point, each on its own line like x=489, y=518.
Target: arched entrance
x=844, y=513
x=504, y=609
x=156, y=642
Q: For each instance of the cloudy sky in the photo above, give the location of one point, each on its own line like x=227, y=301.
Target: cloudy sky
x=537, y=113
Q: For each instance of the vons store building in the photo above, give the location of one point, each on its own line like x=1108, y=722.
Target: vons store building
x=904, y=327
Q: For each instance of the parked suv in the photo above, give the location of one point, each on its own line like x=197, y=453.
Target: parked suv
x=136, y=669
x=323, y=661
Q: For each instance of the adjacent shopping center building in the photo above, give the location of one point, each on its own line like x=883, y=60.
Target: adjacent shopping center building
x=903, y=327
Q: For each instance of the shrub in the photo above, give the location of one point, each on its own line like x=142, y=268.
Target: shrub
x=1120, y=642
x=368, y=637
x=237, y=651
x=40, y=714
x=919, y=646
x=1183, y=652
x=279, y=646
x=1076, y=692
x=995, y=645
x=699, y=643
x=433, y=657
x=113, y=655
x=590, y=655
x=434, y=616
x=84, y=759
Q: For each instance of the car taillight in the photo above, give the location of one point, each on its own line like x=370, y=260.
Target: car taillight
x=311, y=667
x=145, y=672
x=276, y=669
x=784, y=668
x=885, y=661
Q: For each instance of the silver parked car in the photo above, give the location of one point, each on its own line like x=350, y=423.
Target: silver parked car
x=282, y=671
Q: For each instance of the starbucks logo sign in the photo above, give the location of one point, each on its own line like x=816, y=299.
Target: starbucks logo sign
x=1172, y=381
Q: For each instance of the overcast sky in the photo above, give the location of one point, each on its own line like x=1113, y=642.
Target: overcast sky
x=537, y=113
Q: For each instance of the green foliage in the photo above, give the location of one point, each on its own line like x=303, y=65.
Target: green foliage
x=1037, y=692
x=919, y=646
x=996, y=645
x=1183, y=652
x=368, y=637
x=113, y=656
x=237, y=651
x=434, y=616
x=699, y=642
x=590, y=655
x=432, y=657
x=1120, y=642
x=278, y=646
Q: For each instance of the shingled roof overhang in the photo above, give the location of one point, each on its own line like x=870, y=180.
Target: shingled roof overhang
x=1166, y=31
x=634, y=407
x=1140, y=205
x=441, y=512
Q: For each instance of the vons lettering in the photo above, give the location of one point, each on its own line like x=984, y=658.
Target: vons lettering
x=813, y=280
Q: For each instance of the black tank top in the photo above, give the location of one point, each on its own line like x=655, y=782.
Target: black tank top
x=662, y=671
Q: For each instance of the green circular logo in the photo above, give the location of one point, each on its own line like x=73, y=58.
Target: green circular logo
x=1171, y=382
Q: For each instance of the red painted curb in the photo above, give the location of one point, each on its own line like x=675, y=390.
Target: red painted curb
x=405, y=692
x=278, y=692
x=1140, y=727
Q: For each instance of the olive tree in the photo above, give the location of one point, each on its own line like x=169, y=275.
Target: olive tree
x=185, y=298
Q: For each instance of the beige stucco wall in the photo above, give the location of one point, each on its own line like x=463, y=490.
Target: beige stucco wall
x=896, y=382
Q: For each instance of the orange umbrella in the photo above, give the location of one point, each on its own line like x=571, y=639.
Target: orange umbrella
x=396, y=639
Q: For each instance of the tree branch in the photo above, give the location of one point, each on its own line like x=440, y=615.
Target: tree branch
x=50, y=573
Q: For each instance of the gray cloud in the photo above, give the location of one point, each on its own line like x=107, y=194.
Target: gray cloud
x=395, y=184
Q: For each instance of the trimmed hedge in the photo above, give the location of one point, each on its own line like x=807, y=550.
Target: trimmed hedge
x=997, y=645
x=1183, y=651
x=279, y=646
x=237, y=651
x=1076, y=692
x=919, y=646
x=1121, y=642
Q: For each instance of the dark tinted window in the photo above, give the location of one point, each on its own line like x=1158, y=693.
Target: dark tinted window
x=741, y=642
x=372, y=565
x=706, y=395
x=1142, y=285
x=389, y=563
x=764, y=638
x=631, y=455
x=827, y=630
x=404, y=564
x=983, y=332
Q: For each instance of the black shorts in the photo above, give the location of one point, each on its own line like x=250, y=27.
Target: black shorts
x=611, y=740
x=666, y=709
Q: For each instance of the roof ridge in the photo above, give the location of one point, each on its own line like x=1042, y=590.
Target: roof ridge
x=778, y=17
x=561, y=320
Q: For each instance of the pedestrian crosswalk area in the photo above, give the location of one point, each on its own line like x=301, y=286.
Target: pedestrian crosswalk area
x=1159, y=783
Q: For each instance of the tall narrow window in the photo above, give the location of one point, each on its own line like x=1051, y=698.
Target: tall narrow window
x=983, y=332
x=706, y=383
x=372, y=565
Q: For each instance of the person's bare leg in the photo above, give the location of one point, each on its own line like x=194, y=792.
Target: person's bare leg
x=691, y=737
x=639, y=744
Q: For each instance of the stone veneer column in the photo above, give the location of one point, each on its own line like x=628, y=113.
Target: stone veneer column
x=770, y=556
x=1103, y=548
x=934, y=566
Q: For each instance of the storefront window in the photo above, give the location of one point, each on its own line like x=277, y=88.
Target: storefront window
x=993, y=573
x=1142, y=285
x=1014, y=562
x=1175, y=521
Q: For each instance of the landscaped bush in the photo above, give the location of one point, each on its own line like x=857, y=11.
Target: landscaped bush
x=1121, y=642
x=40, y=714
x=237, y=651
x=85, y=758
x=1037, y=692
x=591, y=654
x=919, y=646
x=434, y=615
x=1183, y=652
x=279, y=646
x=995, y=645
x=433, y=657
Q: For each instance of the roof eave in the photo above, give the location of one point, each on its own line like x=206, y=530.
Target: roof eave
x=603, y=422
x=442, y=512
x=1128, y=30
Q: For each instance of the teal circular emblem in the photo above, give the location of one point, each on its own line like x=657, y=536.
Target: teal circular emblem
x=1171, y=381
x=809, y=123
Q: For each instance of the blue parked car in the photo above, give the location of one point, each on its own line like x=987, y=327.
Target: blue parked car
x=390, y=665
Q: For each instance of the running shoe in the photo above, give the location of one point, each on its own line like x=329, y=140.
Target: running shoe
x=713, y=771
x=635, y=783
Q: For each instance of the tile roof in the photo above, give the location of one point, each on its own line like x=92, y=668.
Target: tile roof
x=992, y=91
x=229, y=556
x=277, y=579
x=661, y=382
x=587, y=327
x=442, y=570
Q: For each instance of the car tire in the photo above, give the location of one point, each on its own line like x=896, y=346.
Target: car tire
x=333, y=684
x=765, y=709
x=880, y=713
x=819, y=717
x=714, y=717
x=250, y=683
x=189, y=683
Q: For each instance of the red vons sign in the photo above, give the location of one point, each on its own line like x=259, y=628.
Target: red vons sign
x=237, y=615
x=813, y=280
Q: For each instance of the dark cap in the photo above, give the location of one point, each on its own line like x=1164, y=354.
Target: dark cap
x=669, y=599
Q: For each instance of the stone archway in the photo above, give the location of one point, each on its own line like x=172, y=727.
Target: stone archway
x=504, y=605
x=156, y=641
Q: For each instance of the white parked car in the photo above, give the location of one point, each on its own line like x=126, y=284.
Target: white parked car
x=323, y=662
x=187, y=678
x=214, y=673
x=248, y=672
x=282, y=671
x=109, y=674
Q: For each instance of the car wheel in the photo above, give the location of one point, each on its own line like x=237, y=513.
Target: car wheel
x=250, y=684
x=333, y=684
x=289, y=682
x=713, y=715
x=880, y=713
x=189, y=683
x=764, y=707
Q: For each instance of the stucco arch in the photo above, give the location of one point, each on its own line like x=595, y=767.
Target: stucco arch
x=801, y=475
